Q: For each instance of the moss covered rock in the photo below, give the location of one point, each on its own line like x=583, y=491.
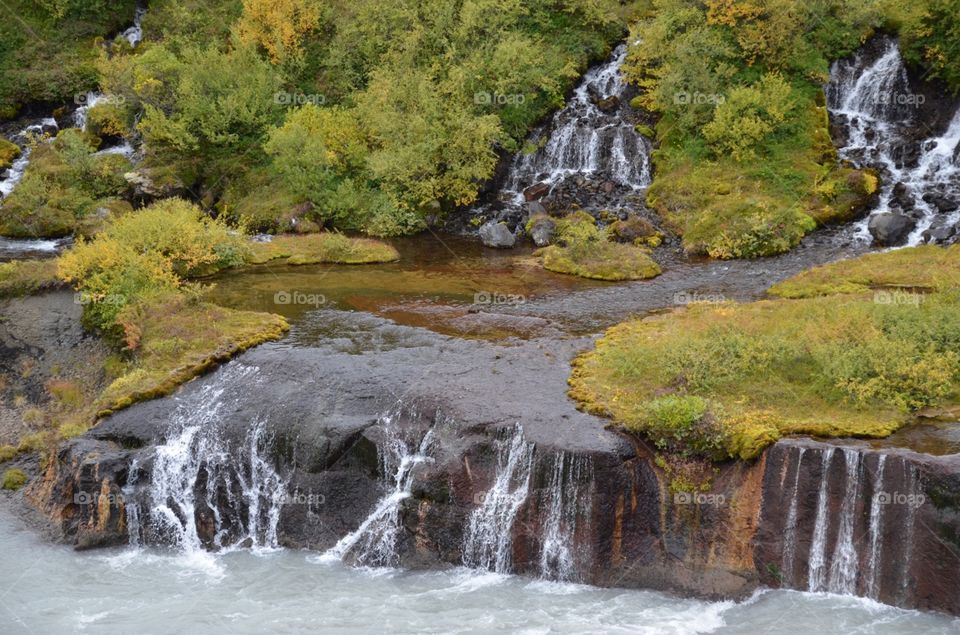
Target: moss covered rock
x=8, y=153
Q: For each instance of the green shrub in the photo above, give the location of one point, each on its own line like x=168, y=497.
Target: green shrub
x=7, y=452
x=13, y=479
x=146, y=254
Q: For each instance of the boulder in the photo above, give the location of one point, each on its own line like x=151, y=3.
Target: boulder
x=542, y=230
x=536, y=192
x=535, y=208
x=943, y=204
x=890, y=229
x=494, y=234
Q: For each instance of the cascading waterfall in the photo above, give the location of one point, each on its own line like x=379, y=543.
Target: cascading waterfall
x=585, y=139
x=27, y=136
x=374, y=542
x=569, y=503
x=790, y=540
x=489, y=538
x=876, y=529
x=202, y=490
x=816, y=577
x=844, y=563
x=24, y=140
x=875, y=102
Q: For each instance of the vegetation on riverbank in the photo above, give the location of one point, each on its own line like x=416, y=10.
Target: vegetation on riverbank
x=26, y=277
x=746, y=166
x=585, y=250
x=66, y=190
x=726, y=380
x=328, y=247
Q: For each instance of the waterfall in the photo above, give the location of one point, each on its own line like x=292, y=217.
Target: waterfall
x=844, y=564
x=875, y=102
x=876, y=525
x=910, y=530
x=818, y=547
x=134, y=33
x=374, y=542
x=568, y=505
x=586, y=139
x=203, y=490
x=24, y=139
x=790, y=539
x=489, y=538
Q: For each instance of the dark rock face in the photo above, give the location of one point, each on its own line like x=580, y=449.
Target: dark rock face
x=601, y=492
x=498, y=235
x=891, y=229
x=894, y=540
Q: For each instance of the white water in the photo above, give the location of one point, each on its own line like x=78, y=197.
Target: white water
x=816, y=577
x=134, y=33
x=25, y=138
x=569, y=504
x=790, y=539
x=875, y=101
x=489, y=537
x=586, y=140
x=196, y=476
x=374, y=542
x=844, y=563
x=53, y=589
x=876, y=529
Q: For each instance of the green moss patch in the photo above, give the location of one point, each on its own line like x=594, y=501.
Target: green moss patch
x=927, y=267
x=325, y=247
x=727, y=380
x=605, y=261
x=13, y=479
x=176, y=338
x=8, y=153
x=26, y=277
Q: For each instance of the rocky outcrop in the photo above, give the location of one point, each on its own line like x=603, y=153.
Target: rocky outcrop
x=847, y=519
x=585, y=503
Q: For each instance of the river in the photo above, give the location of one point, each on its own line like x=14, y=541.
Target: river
x=48, y=588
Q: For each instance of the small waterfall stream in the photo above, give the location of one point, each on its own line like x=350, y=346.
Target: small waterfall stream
x=875, y=495
x=587, y=139
x=34, y=131
x=881, y=112
x=844, y=564
x=876, y=529
x=818, y=547
x=489, y=537
x=570, y=499
x=561, y=507
x=200, y=489
x=374, y=542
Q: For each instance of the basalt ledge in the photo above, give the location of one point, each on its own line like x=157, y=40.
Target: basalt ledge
x=806, y=515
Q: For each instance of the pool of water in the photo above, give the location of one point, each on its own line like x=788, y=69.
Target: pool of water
x=46, y=588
